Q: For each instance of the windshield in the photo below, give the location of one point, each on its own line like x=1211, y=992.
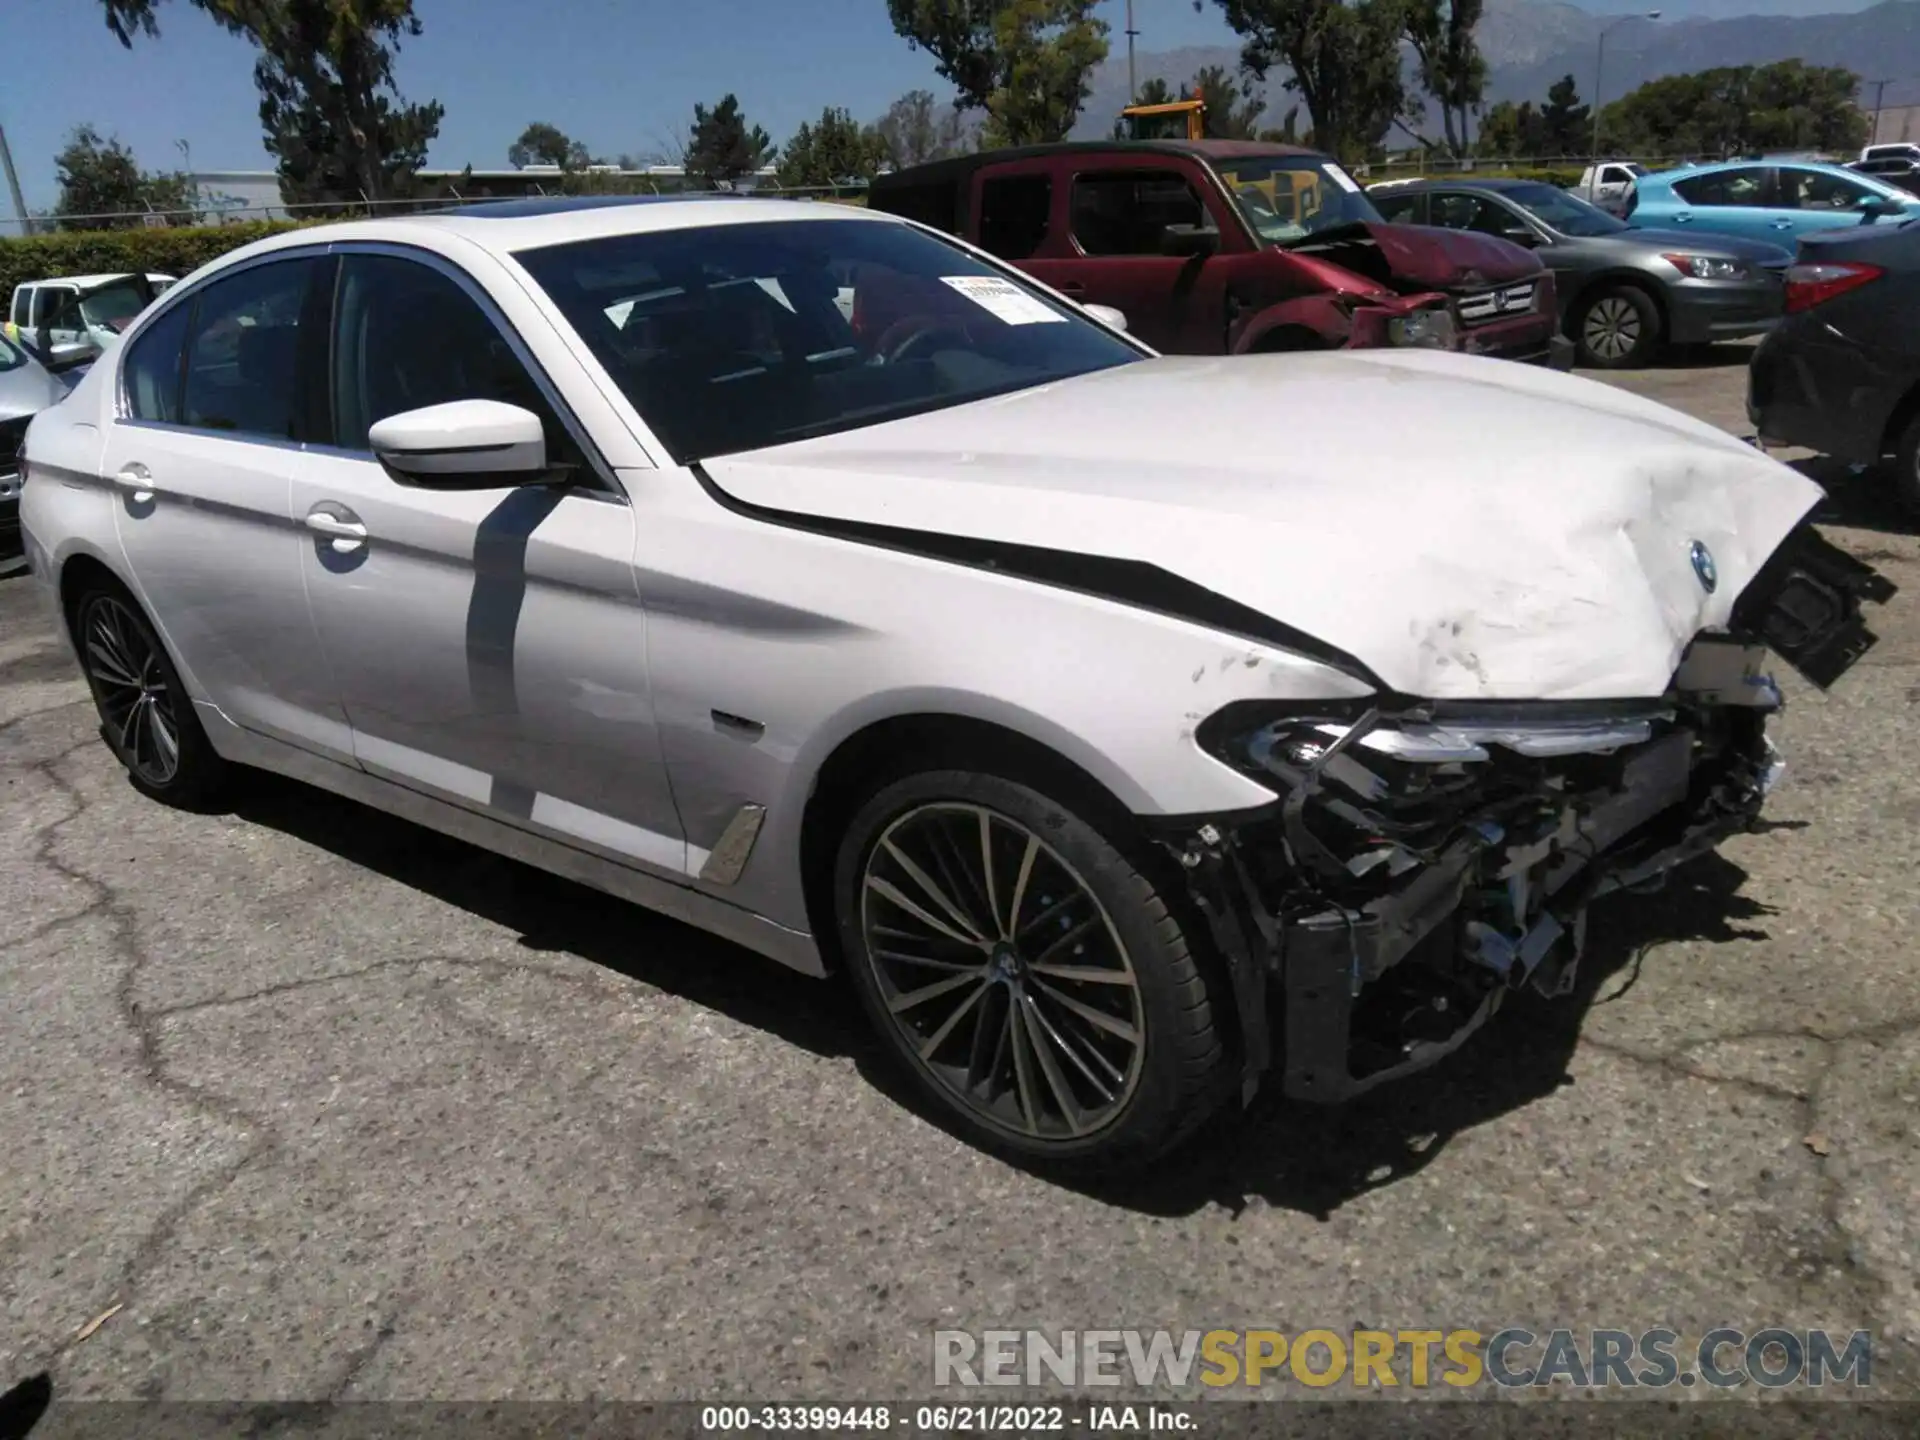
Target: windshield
x=736, y=337
x=1568, y=214
x=112, y=306
x=1289, y=197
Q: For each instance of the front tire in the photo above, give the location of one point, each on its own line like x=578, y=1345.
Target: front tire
x=146, y=716
x=1033, y=981
x=1618, y=329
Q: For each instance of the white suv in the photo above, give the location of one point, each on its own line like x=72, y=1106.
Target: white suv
x=83, y=315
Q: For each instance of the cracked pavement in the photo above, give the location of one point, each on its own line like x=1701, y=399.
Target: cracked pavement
x=332, y=1107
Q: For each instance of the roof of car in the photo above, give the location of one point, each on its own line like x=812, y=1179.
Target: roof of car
x=1207, y=149
x=510, y=225
x=1460, y=182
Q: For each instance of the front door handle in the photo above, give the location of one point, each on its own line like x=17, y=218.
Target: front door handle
x=1780, y=224
x=340, y=525
x=134, y=481
x=1071, y=287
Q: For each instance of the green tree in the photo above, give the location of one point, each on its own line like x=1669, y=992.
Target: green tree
x=831, y=151
x=333, y=120
x=1233, y=107
x=1566, y=126
x=100, y=177
x=1344, y=59
x=544, y=144
x=722, y=147
x=917, y=129
x=1508, y=131
x=1451, y=67
x=1027, y=63
x=1739, y=109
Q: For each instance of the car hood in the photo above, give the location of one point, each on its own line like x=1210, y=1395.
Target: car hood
x=1696, y=242
x=1466, y=528
x=1425, y=257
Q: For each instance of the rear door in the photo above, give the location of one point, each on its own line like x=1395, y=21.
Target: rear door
x=1735, y=201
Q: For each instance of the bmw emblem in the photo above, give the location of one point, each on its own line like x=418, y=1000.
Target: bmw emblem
x=1703, y=566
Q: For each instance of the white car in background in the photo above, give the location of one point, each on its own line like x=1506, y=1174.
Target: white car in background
x=26, y=388
x=1077, y=700
x=81, y=316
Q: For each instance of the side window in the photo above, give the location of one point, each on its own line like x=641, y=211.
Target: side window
x=1460, y=211
x=152, y=370
x=406, y=336
x=1724, y=187
x=1812, y=190
x=22, y=298
x=51, y=306
x=1126, y=212
x=1616, y=175
x=1013, y=214
x=243, y=355
x=1397, y=208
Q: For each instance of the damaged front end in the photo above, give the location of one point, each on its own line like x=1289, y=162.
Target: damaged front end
x=1423, y=860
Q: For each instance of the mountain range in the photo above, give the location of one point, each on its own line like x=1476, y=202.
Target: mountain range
x=1529, y=44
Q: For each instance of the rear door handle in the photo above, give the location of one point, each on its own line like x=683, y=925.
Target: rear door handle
x=133, y=480
x=1683, y=218
x=1780, y=224
x=1071, y=287
x=340, y=525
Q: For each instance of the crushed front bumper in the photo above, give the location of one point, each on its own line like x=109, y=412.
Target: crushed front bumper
x=1423, y=862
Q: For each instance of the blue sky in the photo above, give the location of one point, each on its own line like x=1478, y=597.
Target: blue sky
x=622, y=75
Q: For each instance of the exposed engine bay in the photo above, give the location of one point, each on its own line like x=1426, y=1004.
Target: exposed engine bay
x=1423, y=860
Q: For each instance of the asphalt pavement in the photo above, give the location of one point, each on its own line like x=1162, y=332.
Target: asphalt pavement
x=312, y=1104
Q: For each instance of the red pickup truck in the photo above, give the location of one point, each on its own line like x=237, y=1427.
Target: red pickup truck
x=1213, y=247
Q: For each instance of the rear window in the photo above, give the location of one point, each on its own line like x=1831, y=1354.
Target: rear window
x=1014, y=210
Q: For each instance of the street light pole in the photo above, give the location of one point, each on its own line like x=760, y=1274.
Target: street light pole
x=1133, y=84
x=13, y=184
x=1599, y=61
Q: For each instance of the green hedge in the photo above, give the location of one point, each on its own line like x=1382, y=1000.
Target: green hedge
x=173, y=251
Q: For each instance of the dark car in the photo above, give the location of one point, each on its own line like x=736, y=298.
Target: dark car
x=1841, y=373
x=1901, y=170
x=1213, y=247
x=1625, y=294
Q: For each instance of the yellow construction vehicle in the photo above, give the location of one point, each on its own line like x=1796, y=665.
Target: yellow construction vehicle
x=1184, y=119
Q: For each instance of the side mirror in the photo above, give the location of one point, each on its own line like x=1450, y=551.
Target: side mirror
x=1879, y=208
x=1189, y=240
x=1521, y=235
x=463, y=445
x=1113, y=319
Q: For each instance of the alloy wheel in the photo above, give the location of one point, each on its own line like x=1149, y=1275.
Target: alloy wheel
x=1611, y=328
x=1002, y=971
x=135, y=701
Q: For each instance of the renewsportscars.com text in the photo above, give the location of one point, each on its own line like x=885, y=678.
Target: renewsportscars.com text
x=1726, y=1358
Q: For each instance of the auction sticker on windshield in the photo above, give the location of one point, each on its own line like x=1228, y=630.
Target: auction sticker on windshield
x=1003, y=299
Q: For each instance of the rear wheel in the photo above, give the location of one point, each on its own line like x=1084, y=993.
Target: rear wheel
x=146, y=715
x=1618, y=329
x=1032, y=980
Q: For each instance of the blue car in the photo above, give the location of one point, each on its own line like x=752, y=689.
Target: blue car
x=1777, y=200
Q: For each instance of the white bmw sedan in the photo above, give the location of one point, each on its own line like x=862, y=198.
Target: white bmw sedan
x=1130, y=728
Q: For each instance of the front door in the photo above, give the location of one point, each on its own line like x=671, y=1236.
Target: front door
x=489, y=644
x=203, y=460
x=1809, y=201
x=1117, y=219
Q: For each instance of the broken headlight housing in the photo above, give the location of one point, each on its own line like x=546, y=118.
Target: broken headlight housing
x=1426, y=329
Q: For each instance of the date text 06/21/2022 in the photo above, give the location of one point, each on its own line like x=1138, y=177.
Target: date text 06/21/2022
x=947, y=1419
